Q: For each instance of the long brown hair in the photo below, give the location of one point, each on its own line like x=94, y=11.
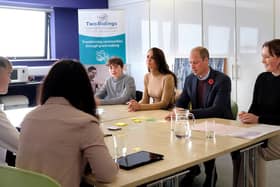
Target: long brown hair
x=162, y=65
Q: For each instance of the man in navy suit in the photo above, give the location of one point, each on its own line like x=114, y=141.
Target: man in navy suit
x=207, y=91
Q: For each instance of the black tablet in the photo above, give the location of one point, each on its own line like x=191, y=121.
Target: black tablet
x=138, y=159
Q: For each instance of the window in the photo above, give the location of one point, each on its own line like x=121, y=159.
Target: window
x=24, y=33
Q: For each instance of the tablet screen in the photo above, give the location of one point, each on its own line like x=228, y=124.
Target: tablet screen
x=138, y=159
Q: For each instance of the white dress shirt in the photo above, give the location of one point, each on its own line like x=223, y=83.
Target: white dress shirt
x=9, y=137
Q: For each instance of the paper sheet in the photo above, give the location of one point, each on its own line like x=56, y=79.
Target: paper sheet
x=240, y=131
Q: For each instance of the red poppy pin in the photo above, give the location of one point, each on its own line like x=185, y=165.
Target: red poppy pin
x=210, y=81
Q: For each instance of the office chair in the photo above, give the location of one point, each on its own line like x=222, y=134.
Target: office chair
x=138, y=95
x=16, y=177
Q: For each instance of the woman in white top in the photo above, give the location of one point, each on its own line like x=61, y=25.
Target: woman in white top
x=9, y=136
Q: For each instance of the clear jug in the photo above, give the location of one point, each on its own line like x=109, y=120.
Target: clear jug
x=183, y=123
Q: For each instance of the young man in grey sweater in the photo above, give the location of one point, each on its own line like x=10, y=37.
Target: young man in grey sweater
x=119, y=88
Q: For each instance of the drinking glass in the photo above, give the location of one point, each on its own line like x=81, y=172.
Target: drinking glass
x=210, y=129
x=191, y=119
x=100, y=112
x=119, y=141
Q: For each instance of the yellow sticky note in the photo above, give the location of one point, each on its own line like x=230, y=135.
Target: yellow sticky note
x=120, y=124
x=136, y=120
x=136, y=149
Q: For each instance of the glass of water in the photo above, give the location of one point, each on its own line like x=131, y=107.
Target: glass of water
x=120, y=141
x=210, y=129
x=184, y=122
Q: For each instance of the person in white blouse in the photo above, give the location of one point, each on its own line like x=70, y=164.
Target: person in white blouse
x=9, y=136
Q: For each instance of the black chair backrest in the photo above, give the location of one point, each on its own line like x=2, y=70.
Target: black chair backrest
x=138, y=95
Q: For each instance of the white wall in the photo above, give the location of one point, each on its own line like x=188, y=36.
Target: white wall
x=219, y=33
x=254, y=27
x=277, y=18
x=234, y=29
x=137, y=36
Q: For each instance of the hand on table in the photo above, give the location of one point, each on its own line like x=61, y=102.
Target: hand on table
x=133, y=106
x=248, y=118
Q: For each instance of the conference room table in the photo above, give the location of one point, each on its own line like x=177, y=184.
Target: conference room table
x=148, y=131
x=154, y=134
x=106, y=113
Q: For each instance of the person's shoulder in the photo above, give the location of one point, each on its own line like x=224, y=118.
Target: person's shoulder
x=36, y=111
x=108, y=79
x=216, y=72
x=220, y=75
x=190, y=76
x=264, y=75
x=82, y=118
x=84, y=114
x=168, y=77
x=147, y=75
x=128, y=77
x=58, y=109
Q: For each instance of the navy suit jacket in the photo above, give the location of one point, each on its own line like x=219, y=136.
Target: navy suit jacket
x=217, y=98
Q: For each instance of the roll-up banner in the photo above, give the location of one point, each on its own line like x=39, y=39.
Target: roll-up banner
x=101, y=35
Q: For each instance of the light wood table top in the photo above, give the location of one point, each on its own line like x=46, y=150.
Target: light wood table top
x=154, y=134
x=115, y=112
x=179, y=154
x=110, y=113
